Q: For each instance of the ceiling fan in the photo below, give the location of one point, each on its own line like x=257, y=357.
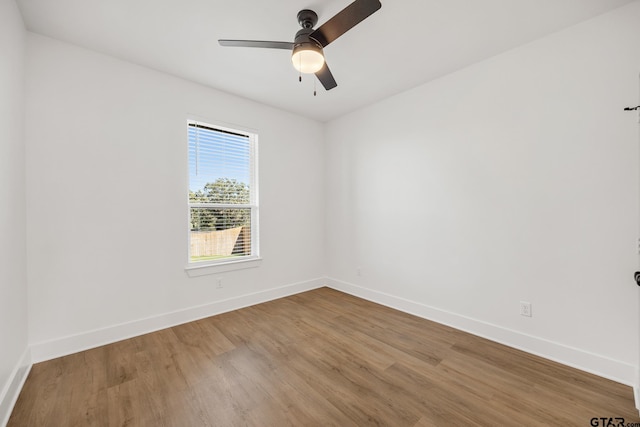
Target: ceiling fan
x=307, y=53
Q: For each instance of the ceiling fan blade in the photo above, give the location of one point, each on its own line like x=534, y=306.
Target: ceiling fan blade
x=257, y=43
x=345, y=20
x=326, y=78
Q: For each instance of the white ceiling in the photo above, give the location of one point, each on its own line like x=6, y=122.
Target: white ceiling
x=404, y=44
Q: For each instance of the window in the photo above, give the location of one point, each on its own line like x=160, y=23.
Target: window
x=223, y=196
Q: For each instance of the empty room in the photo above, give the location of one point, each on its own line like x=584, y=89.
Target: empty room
x=336, y=212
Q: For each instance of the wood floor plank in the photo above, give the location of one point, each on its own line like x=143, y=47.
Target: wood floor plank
x=319, y=358
x=419, y=348
x=204, y=337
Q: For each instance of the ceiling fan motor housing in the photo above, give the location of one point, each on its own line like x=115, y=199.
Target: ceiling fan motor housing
x=303, y=39
x=307, y=19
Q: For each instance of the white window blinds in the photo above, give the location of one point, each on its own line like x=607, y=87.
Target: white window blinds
x=223, y=202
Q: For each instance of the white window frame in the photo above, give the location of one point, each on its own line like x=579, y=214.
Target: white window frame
x=200, y=268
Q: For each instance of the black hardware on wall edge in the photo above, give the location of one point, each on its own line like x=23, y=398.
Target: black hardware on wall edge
x=636, y=275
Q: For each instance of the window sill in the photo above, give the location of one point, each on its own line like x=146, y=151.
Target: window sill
x=194, y=270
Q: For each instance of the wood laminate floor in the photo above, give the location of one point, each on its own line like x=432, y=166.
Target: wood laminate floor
x=320, y=358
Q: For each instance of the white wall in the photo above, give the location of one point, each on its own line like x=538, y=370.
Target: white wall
x=106, y=193
x=514, y=179
x=13, y=283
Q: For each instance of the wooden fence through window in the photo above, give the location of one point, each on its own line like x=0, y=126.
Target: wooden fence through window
x=232, y=241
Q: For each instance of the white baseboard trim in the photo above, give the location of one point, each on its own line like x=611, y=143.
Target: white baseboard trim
x=574, y=357
x=72, y=344
x=636, y=396
x=12, y=388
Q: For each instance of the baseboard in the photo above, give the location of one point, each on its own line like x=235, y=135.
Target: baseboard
x=13, y=387
x=636, y=396
x=593, y=363
x=72, y=344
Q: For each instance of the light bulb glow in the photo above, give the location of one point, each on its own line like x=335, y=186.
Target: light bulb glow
x=307, y=61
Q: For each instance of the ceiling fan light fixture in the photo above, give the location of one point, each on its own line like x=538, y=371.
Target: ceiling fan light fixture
x=307, y=48
x=307, y=58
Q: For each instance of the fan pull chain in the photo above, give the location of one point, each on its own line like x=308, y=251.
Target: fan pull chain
x=314, y=87
x=300, y=76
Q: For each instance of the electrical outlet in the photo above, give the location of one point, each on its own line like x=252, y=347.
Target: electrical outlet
x=358, y=271
x=525, y=308
x=219, y=283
